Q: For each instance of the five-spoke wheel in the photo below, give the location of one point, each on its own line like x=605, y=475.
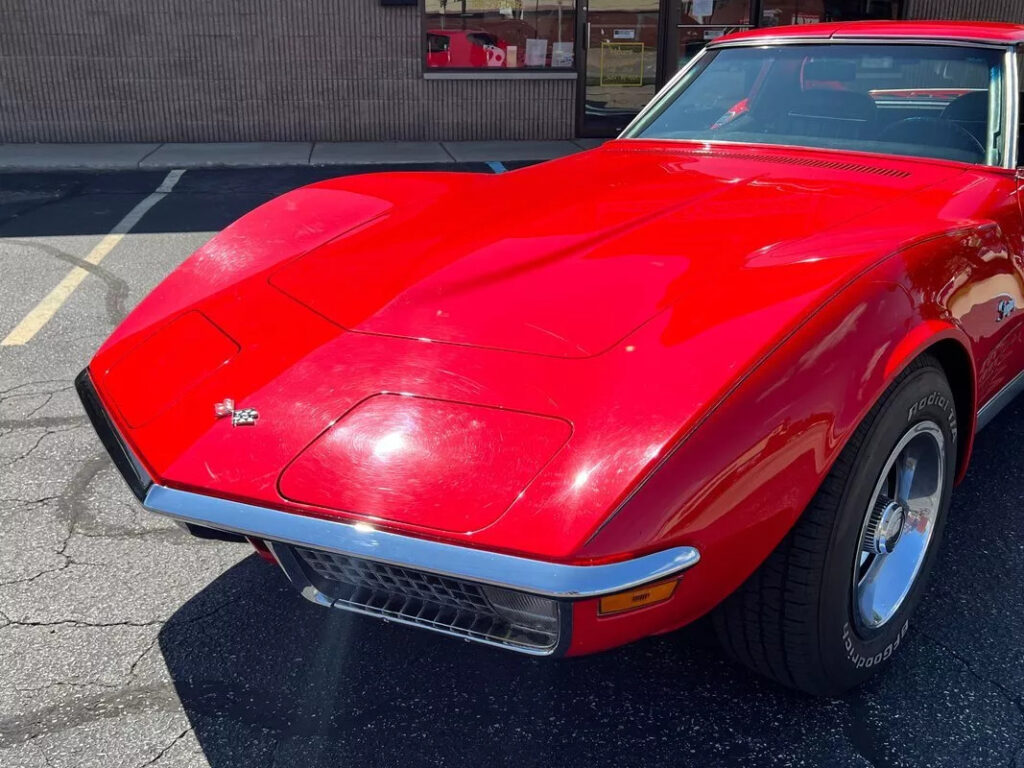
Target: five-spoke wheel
x=833, y=602
x=899, y=524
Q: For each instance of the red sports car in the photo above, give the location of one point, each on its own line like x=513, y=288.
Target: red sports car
x=716, y=365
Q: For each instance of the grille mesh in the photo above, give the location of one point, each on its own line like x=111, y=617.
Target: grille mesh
x=834, y=165
x=436, y=602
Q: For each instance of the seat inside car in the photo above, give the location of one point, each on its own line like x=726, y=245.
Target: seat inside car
x=832, y=114
x=826, y=108
x=970, y=112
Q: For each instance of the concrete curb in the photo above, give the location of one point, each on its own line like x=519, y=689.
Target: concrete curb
x=154, y=156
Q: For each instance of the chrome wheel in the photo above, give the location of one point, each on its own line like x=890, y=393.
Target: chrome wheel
x=899, y=524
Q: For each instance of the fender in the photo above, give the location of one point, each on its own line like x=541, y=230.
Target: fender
x=737, y=485
x=953, y=347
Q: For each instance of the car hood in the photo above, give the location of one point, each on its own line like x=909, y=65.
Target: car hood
x=566, y=260
x=495, y=359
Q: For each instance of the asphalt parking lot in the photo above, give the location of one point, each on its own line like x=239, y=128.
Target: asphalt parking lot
x=125, y=642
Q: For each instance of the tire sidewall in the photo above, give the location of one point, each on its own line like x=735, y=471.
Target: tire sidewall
x=851, y=654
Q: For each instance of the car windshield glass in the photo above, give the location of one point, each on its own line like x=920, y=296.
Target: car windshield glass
x=938, y=101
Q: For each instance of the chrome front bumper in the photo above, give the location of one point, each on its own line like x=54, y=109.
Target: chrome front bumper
x=522, y=574
x=445, y=588
x=401, y=578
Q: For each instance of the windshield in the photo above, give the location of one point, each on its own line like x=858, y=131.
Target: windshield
x=924, y=100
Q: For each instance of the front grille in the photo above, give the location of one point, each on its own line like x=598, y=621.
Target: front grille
x=474, y=611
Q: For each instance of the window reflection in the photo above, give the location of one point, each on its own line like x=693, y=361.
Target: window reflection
x=621, y=62
x=505, y=34
x=777, y=13
x=701, y=21
x=715, y=12
x=926, y=101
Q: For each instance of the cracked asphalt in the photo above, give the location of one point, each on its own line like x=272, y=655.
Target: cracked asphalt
x=125, y=642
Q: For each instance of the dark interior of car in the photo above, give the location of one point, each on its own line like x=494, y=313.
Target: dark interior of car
x=828, y=107
x=930, y=102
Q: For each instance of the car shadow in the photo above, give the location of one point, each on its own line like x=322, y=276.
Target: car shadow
x=264, y=677
x=47, y=204
x=258, y=668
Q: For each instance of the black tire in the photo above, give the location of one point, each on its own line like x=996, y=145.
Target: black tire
x=794, y=619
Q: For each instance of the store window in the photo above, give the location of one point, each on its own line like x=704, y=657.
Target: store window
x=701, y=21
x=777, y=13
x=500, y=34
x=698, y=22
x=621, y=53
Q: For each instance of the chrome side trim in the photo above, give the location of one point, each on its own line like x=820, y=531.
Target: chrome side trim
x=539, y=577
x=999, y=400
x=1011, y=110
x=1011, y=104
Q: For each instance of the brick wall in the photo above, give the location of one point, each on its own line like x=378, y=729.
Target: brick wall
x=247, y=70
x=269, y=70
x=982, y=10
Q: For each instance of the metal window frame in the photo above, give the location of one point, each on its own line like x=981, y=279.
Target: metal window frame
x=1014, y=65
x=1011, y=97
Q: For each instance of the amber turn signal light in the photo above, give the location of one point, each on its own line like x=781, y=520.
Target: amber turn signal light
x=637, y=598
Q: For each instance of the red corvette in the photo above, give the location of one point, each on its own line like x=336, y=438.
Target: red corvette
x=714, y=365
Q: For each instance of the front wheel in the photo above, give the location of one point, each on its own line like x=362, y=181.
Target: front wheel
x=832, y=604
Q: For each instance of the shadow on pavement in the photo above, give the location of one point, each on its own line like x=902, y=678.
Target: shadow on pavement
x=91, y=202
x=263, y=676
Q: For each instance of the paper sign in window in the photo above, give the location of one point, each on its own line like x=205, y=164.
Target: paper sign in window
x=703, y=8
x=536, y=52
x=561, y=54
x=622, y=64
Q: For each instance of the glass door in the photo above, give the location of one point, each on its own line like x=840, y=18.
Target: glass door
x=776, y=13
x=619, y=75
x=698, y=22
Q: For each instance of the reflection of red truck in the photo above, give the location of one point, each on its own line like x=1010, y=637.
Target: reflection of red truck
x=464, y=48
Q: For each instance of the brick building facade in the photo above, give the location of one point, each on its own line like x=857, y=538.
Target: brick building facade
x=352, y=70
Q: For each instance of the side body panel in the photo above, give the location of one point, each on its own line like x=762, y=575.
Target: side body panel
x=736, y=485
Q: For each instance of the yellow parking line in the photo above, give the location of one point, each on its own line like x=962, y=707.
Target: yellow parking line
x=42, y=313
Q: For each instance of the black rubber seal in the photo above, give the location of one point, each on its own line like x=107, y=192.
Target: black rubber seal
x=129, y=467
